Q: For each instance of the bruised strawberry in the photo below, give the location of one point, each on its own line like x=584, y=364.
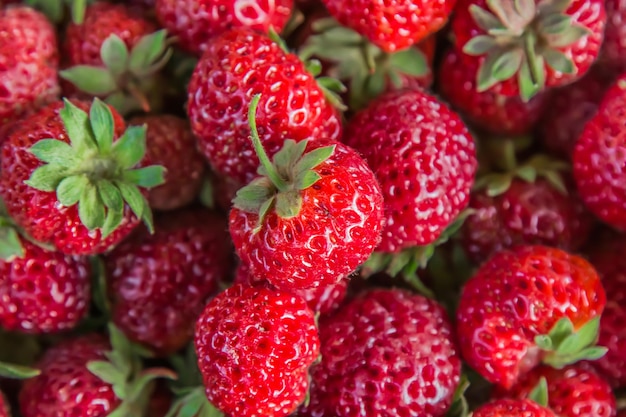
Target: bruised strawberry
x=527, y=305
x=254, y=347
x=160, y=283
x=75, y=180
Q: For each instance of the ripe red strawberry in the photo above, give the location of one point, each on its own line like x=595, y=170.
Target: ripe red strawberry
x=568, y=109
x=85, y=377
x=574, y=391
x=313, y=216
x=522, y=48
x=159, y=284
x=613, y=52
x=195, y=22
x=522, y=305
x=609, y=258
x=43, y=291
x=323, y=299
x=487, y=110
x=254, y=347
x=392, y=26
x=599, y=159
x=5, y=411
x=386, y=353
x=170, y=143
x=424, y=159
x=512, y=408
x=526, y=213
x=28, y=63
x=81, y=190
x=237, y=65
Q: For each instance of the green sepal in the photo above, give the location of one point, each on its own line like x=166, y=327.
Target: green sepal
x=46, y=177
x=114, y=55
x=147, y=177
x=12, y=371
x=151, y=52
x=90, y=208
x=565, y=346
x=52, y=151
x=129, y=149
x=92, y=80
x=460, y=406
x=10, y=244
x=193, y=404
x=77, y=8
x=410, y=61
x=539, y=393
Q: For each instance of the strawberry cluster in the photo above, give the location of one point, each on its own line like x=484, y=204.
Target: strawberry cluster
x=312, y=208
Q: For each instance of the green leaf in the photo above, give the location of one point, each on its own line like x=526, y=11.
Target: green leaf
x=314, y=67
x=147, y=50
x=528, y=88
x=78, y=11
x=593, y=353
x=8, y=370
x=106, y=371
x=571, y=35
x=287, y=156
x=147, y=177
x=96, y=81
x=288, y=204
x=480, y=45
x=10, y=246
x=527, y=173
x=71, y=188
x=553, y=24
x=52, y=9
x=110, y=195
x=54, y=151
x=90, y=208
x=507, y=64
x=587, y=335
x=410, y=61
x=130, y=149
x=558, y=61
x=539, y=393
x=306, y=179
x=147, y=218
x=484, y=77
x=499, y=185
x=78, y=128
x=121, y=345
x=561, y=330
x=114, y=55
x=46, y=177
x=265, y=208
x=312, y=159
x=484, y=19
x=251, y=197
x=102, y=125
x=132, y=197
x=112, y=221
x=543, y=342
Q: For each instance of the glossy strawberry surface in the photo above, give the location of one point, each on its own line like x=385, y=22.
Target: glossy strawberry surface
x=512, y=408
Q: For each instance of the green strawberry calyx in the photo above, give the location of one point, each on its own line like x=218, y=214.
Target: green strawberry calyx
x=95, y=172
x=55, y=9
x=522, y=37
x=11, y=236
x=127, y=77
x=460, y=406
x=281, y=180
x=368, y=69
x=564, y=345
x=539, y=393
x=8, y=370
x=124, y=370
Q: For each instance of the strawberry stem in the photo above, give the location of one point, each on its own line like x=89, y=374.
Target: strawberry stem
x=272, y=173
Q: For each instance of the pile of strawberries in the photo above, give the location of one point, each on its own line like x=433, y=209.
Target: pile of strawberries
x=335, y=208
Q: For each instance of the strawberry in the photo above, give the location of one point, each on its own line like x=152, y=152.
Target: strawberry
x=567, y=111
x=87, y=376
x=80, y=190
x=159, y=284
x=573, y=391
x=609, y=258
x=42, y=291
x=254, y=348
x=524, y=47
x=5, y=411
x=28, y=63
x=529, y=304
x=614, y=43
x=55, y=10
x=386, y=353
x=116, y=54
x=392, y=26
x=323, y=299
x=237, y=65
x=487, y=110
x=425, y=160
x=170, y=143
x=311, y=218
x=195, y=22
x=512, y=408
x=525, y=213
x=599, y=159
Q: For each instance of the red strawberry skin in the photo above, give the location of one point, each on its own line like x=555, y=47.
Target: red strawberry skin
x=599, y=159
x=28, y=63
x=43, y=291
x=39, y=212
x=516, y=295
x=526, y=213
x=386, y=353
x=254, y=347
x=65, y=387
x=613, y=53
x=4, y=406
x=160, y=283
x=195, y=22
x=392, y=26
x=588, y=13
x=512, y=408
x=609, y=258
x=236, y=66
x=573, y=391
x=489, y=111
x=82, y=43
x=424, y=159
x=170, y=143
x=337, y=229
